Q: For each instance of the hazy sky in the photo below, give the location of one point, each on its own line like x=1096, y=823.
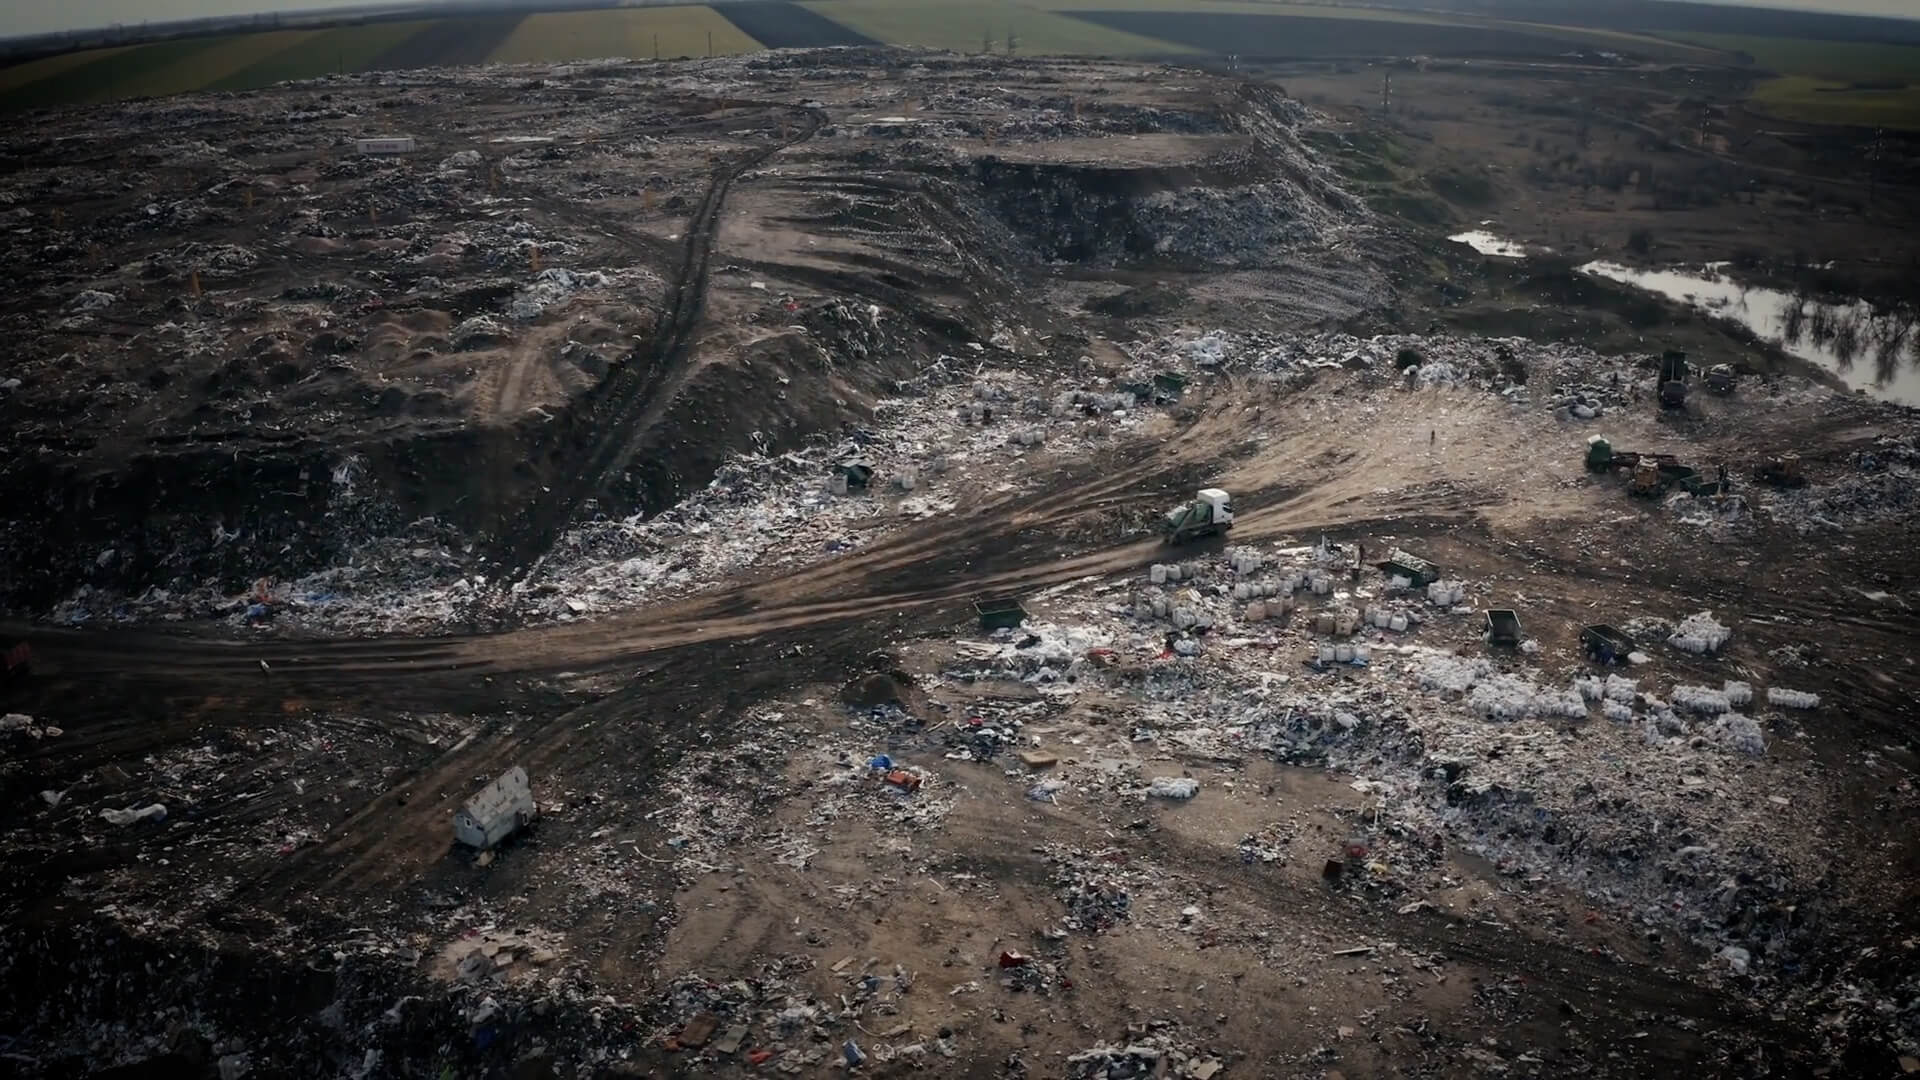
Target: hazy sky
x=41, y=16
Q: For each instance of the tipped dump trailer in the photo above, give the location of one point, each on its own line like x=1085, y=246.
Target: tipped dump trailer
x=999, y=612
x=1605, y=645
x=1403, y=564
x=1503, y=627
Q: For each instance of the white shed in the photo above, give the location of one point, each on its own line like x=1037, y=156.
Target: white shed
x=500, y=809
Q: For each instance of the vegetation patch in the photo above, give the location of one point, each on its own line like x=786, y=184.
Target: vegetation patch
x=1462, y=188
x=1827, y=101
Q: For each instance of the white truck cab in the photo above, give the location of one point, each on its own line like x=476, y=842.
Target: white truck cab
x=1209, y=514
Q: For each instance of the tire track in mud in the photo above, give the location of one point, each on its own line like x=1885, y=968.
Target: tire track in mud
x=607, y=423
x=922, y=569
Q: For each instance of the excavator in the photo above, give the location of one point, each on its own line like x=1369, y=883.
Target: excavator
x=1652, y=475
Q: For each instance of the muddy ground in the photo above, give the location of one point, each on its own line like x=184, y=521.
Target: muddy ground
x=602, y=516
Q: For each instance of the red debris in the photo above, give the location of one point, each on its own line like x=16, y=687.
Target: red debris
x=901, y=778
x=759, y=1057
x=1011, y=959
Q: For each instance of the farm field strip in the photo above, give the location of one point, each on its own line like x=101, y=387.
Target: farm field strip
x=1257, y=7
x=1599, y=38
x=783, y=25
x=450, y=43
x=1821, y=101
x=48, y=66
x=1310, y=37
x=960, y=26
x=344, y=48
x=227, y=58
x=103, y=77
x=1847, y=61
x=642, y=33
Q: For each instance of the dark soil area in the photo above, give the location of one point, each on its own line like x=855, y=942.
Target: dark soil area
x=449, y=43
x=77, y=83
x=780, y=25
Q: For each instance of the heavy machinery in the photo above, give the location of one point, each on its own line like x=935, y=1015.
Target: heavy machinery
x=1647, y=481
x=1673, y=379
x=1781, y=471
x=1721, y=378
x=1602, y=457
x=1209, y=514
x=1653, y=478
x=1651, y=475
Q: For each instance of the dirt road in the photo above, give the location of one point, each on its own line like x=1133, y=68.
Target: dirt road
x=599, y=432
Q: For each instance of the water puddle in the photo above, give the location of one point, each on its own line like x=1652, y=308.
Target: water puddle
x=1871, y=350
x=1487, y=243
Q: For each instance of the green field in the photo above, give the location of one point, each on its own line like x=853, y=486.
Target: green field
x=1824, y=101
x=1846, y=61
x=631, y=32
x=1830, y=82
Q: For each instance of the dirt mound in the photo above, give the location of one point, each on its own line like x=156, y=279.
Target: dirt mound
x=892, y=687
x=1140, y=302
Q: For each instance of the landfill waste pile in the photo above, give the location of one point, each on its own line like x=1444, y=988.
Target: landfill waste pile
x=768, y=458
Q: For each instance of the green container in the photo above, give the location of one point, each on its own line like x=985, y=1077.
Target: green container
x=1000, y=613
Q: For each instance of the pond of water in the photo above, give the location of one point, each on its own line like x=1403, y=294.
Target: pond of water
x=1487, y=243
x=1869, y=349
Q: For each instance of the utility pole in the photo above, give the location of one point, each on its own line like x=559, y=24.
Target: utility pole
x=1386, y=91
x=1012, y=44
x=709, y=44
x=656, y=46
x=986, y=40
